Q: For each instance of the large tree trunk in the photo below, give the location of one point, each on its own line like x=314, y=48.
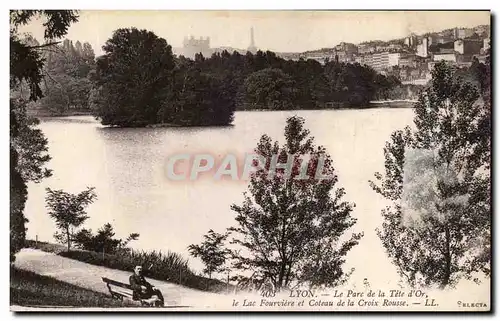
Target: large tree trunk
x=447, y=258
x=288, y=273
x=68, y=237
x=281, y=275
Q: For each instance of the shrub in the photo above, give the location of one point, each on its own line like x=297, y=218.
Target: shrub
x=169, y=266
x=46, y=247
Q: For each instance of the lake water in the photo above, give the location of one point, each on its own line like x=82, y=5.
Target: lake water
x=127, y=168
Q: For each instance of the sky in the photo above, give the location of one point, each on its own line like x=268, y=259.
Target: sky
x=279, y=31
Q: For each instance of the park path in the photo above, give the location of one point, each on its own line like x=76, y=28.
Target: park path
x=89, y=276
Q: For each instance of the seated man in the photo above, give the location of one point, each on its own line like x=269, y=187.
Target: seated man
x=143, y=290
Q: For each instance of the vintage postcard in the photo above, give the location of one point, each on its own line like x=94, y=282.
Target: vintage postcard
x=250, y=160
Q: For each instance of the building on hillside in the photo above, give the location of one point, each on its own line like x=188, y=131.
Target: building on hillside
x=380, y=61
x=192, y=46
x=461, y=33
x=422, y=48
x=432, y=39
x=482, y=58
x=415, y=74
x=449, y=57
x=446, y=51
x=322, y=59
x=395, y=47
x=408, y=60
x=486, y=44
x=343, y=56
x=295, y=56
x=411, y=41
x=393, y=59
x=348, y=48
x=404, y=73
x=365, y=49
x=441, y=47
x=421, y=80
x=442, y=38
x=468, y=46
x=458, y=46
x=483, y=30
x=345, y=52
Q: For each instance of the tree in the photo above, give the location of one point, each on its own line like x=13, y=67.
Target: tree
x=352, y=84
x=437, y=228
x=18, y=195
x=199, y=99
x=103, y=241
x=135, y=75
x=68, y=210
x=66, y=83
x=212, y=252
x=270, y=88
x=290, y=229
x=311, y=83
x=28, y=146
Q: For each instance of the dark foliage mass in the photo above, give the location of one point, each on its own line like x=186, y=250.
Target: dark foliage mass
x=268, y=82
x=103, y=241
x=28, y=146
x=133, y=78
x=67, y=71
x=139, y=82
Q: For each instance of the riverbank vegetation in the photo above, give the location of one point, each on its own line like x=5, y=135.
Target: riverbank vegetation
x=66, y=84
x=138, y=81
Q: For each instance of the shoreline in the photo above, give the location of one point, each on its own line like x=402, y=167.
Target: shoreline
x=372, y=104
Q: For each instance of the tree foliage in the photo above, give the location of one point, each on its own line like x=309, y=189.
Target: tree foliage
x=28, y=146
x=67, y=71
x=68, y=211
x=131, y=89
x=199, y=98
x=103, y=241
x=292, y=231
x=437, y=228
x=257, y=77
x=133, y=78
x=269, y=88
x=212, y=252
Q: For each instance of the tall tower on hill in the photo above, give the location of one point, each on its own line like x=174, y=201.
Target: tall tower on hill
x=252, y=47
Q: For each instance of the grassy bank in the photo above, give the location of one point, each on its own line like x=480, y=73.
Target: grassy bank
x=31, y=289
x=170, y=266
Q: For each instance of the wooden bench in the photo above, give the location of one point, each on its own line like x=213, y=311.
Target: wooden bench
x=121, y=291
